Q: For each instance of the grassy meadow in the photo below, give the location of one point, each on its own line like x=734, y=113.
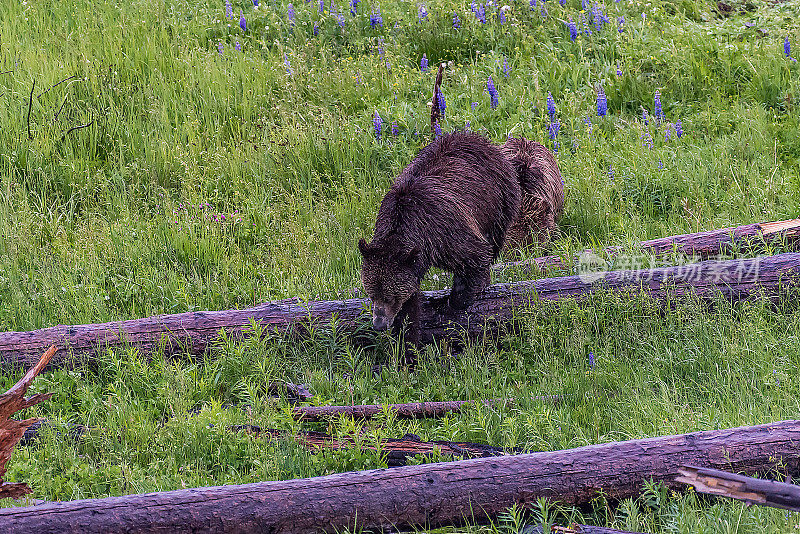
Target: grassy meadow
x=220, y=167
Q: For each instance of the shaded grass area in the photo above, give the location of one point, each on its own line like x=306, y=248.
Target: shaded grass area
x=212, y=181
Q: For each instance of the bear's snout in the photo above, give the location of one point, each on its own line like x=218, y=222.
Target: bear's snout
x=380, y=322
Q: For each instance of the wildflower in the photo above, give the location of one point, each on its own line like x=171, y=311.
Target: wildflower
x=647, y=140
x=354, y=7
x=602, y=103
x=375, y=19
x=377, y=123
x=591, y=360
x=437, y=130
x=290, y=13
x=316, y=28
x=220, y=48
x=441, y=103
x=287, y=64
x=423, y=64
x=621, y=24
x=659, y=112
x=544, y=11
x=322, y=6
x=492, y=92
x=573, y=30
x=481, y=14
x=611, y=174
x=679, y=129
x=228, y=9
x=534, y=4
x=238, y=46
x=506, y=68
x=562, y=2
x=588, y=122
x=456, y=21
x=596, y=17
x=242, y=22
x=668, y=132
x=584, y=5
x=787, y=47
x=395, y=129
x=255, y=3
x=501, y=16
x=466, y=127
x=660, y=165
x=644, y=117
x=553, y=129
x=422, y=13
x=340, y=20
x=586, y=29
x=619, y=71
x=551, y=106
x=473, y=105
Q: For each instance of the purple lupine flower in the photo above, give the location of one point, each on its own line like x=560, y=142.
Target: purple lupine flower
x=377, y=123
x=316, y=28
x=586, y=30
x=543, y=12
x=473, y=105
x=611, y=174
x=255, y=3
x=423, y=64
x=679, y=129
x=481, y=14
x=552, y=129
x=668, y=132
x=602, y=103
x=437, y=130
x=534, y=4
x=621, y=24
x=441, y=103
x=591, y=360
x=585, y=5
x=551, y=106
x=644, y=117
x=422, y=13
x=647, y=140
x=238, y=46
x=395, y=129
x=596, y=17
x=588, y=122
x=322, y=6
x=375, y=19
x=456, y=21
x=242, y=21
x=288, y=65
x=473, y=7
x=562, y=2
x=619, y=71
x=573, y=30
x=354, y=7
x=492, y=92
x=506, y=68
x=659, y=113
x=787, y=47
x=290, y=13
x=660, y=165
x=501, y=16
x=340, y=19
x=228, y=9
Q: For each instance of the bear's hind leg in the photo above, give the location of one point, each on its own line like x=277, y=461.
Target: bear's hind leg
x=466, y=287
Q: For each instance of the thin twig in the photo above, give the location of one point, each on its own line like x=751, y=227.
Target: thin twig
x=7, y=71
x=59, y=109
x=30, y=104
x=56, y=85
x=76, y=128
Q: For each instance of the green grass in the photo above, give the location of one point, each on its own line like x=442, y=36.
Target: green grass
x=123, y=219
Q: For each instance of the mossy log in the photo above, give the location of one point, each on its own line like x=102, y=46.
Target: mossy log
x=195, y=332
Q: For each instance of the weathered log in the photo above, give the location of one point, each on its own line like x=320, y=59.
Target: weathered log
x=12, y=430
x=425, y=495
x=195, y=332
x=747, y=489
x=701, y=245
x=397, y=450
x=576, y=528
x=411, y=410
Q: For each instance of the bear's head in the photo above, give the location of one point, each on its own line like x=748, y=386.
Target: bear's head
x=390, y=277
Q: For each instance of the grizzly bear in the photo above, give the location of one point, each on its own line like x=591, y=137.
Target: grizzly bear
x=542, y=193
x=450, y=208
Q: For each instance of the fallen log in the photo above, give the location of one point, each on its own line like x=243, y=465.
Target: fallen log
x=195, y=332
x=701, y=245
x=576, y=528
x=412, y=410
x=12, y=430
x=428, y=495
x=397, y=450
x=747, y=489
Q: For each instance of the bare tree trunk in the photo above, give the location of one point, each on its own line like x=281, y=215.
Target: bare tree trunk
x=425, y=495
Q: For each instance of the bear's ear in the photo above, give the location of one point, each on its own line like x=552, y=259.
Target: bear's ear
x=363, y=247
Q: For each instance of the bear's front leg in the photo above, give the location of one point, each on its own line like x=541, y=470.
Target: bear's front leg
x=465, y=288
x=408, y=316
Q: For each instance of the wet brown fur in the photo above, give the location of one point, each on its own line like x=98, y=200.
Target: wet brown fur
x=543, y=193
x=450, y=208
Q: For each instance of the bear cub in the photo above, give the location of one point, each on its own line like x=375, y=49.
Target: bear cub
x=449, y=208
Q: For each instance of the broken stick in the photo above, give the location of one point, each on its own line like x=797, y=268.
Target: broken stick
x=747, y=489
